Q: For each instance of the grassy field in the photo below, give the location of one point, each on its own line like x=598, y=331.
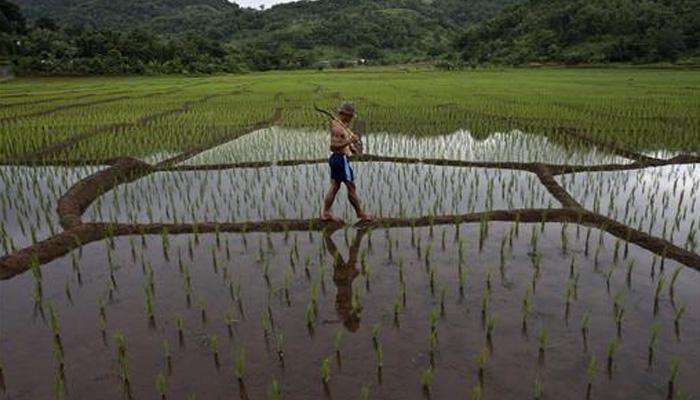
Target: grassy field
x=94, y=118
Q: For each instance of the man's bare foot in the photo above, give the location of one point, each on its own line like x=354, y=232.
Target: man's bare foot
x=328, y=217
x=366, y=217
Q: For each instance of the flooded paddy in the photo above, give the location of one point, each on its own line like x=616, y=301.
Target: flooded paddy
x=293, y=144
x=255, y=292
x=448, y=294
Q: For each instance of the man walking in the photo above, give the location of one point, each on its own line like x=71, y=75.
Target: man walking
x=342, y=140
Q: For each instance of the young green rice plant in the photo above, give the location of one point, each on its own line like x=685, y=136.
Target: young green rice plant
x=364, y=392
x=490, y=328
x=484, y=304
x=53, y=323
x=167, y=355
x=488, y=279
x=443, y=293
x=239, y=364
x=611, y=350
x=526, y=309
x=630, y=269
x=229, y=321
x=180, y=324
x=675, y=369
x=122, y=359
x=214, y=346
x=591, y=371
x=426, y=380
x=657, y=293
x=672, y=284
x=274, y=392
x=337, y=342
x=462, y=276
x=149, y=304
x=678, y=314
x=279, y=346
x=310, y=316
x=481, y=365
x=203, y=310
x=568, y=294
x=325, y=371
x=542, y=340
x=432, y=346
x=433, y=318
x=162, y=386
x=537, y=391
x=376, y=328
x=619, y=315
x=654, y=339
x=476, y=393
x=379, y=358
x=67, y=291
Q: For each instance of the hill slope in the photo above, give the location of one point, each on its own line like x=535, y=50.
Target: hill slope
x=112, y=13
x=578, y=31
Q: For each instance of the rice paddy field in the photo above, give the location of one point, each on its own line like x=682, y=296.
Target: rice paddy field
x=535, y=236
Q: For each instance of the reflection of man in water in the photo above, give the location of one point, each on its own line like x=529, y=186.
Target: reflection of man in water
x=342, y=141
x=344, y=274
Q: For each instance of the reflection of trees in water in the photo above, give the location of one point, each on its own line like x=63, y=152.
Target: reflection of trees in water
x=344, y=274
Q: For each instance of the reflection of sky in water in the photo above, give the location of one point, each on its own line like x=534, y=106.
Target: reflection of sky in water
x=28, y=203
x=645, y=199
x=296, y=192
x=285, y=144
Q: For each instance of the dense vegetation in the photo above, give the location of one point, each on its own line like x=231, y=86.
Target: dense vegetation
x=587, y=31
x=205, y=36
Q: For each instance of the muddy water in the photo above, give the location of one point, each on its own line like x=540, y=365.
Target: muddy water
x=510, y=372
x=396, y=190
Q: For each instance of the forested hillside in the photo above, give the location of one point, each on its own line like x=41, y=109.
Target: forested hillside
x=586, y=31
x=207, y=36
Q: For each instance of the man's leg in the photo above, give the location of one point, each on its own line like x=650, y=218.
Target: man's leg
x=328, y=201
x=355, y=201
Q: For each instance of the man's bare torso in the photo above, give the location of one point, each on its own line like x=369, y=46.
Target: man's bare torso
x=338, y=134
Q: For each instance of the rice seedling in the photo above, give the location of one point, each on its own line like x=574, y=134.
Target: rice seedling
x=325, y=371
x=537, y=391
x=591, y=371
x=379, y=358
x=274, y=392
x=162, y=386
x=239, y=364
x=481, y=365
x=426, y=380
x=542, y=340
x=678, y=314
x=364, y=393
x=526, y=309
x=611, y=350
x=214, y=346
x=672, y=284
x=675, y=370
x=279, y=346
x=490, y=327
x=657, y=293
x=653, y=341
x=476, y=393
x=123, y=363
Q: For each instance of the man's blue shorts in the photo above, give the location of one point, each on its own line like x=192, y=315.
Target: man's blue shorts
x=340, y=168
